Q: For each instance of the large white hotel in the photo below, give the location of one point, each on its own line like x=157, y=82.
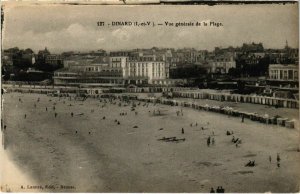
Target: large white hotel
x=114, y=70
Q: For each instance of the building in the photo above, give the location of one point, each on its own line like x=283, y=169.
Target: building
x=53, y=59
x=73, y=63
x=189, y=56
x=251, y=47
x=222, y=63
x=142, y=66
x=280, y=72
x=119, y=63
x=116, y=70
x=146, y=70
x=42, y=54
x=284, y=80
x=93, y=72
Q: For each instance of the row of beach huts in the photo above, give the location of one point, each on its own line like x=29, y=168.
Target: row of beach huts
x=266, y=119
x=254, y=99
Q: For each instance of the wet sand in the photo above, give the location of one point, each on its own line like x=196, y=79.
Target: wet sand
x=121, y=158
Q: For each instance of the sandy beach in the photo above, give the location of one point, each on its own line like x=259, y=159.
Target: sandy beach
x=87, y=153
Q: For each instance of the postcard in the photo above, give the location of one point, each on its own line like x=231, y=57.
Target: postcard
x=150, y=98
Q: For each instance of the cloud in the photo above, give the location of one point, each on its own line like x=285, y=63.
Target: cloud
x=77, y=30
x=121, y=35
x=184, y=33
x=73, y=37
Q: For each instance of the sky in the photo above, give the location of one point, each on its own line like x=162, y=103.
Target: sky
x=74, y=28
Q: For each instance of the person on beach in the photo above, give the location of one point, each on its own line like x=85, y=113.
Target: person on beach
x=233, y=139
x=25, y=116
x=212, y=190
x=208, y=141
x=182, y=130
x=46, y=109
x=72, y=114
x=270, y=159
x=278, y=157
x=55, y=115
x=249, y=163
x=222, y=190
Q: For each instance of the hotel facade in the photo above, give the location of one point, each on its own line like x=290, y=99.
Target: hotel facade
x=114, y=71
x=279, y=72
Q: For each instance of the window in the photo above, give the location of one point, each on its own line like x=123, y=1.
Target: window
x=285, y=75
x=290, y=74
x=296, y=75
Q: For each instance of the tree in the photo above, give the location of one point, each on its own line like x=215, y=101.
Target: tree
x=28, y=51
x=19, y=61
x=234, y=72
